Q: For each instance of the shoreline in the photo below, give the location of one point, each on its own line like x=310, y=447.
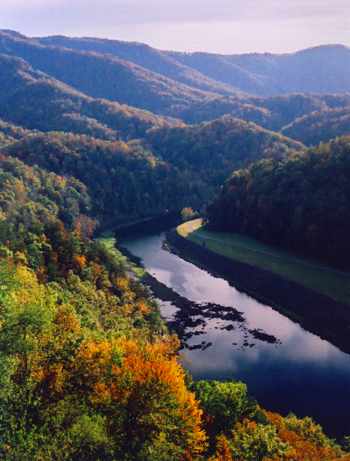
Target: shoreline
x=315, y=312
x=187, y=309
x=147, y=225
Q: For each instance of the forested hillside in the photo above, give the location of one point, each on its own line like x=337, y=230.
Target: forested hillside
x=209, y=151
x=37, y=101
x=259, y=74
x=272, y=113
x=10, y=133
x=126, y=181
x=88, y=370
x=103, y=76
x=66, y=79
x=301, y=203
x=170, y=170
x=145, y=56
x=320, y=126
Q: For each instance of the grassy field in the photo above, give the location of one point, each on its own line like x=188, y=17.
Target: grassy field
x=318, y=277
x=109, y=241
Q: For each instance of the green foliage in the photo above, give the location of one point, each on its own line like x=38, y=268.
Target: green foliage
x=102, y=76
x=320, y=126
x=124, y=181
x=274, y=113
x=90, y=435
x=206, y=154
x=85, y=382
x=308, y=429
x=300, y=203
x=39, y=102
x=224, y=404
x=256, y=442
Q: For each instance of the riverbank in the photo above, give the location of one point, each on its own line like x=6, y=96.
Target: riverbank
x=151, y=224
x=108, y=240
x=327, y=317
x=320, y=278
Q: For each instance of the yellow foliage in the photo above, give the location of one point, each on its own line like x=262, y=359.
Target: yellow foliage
x=67, y=321
x=122, y=283
x=29, y=290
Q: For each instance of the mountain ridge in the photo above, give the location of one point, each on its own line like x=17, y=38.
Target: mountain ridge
x=258, y=74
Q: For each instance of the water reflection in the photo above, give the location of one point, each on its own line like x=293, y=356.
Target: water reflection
x=297, y=371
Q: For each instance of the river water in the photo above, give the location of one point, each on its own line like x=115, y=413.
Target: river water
x=230, y=335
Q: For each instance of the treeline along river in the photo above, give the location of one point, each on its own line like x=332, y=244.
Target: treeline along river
x=227, y=334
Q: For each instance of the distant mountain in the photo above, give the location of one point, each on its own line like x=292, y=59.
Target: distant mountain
x=103, y=76
x=35, y=100
x=323, y=69
x=272, y=113
x=143, y=55
x=320, y=126
x=264, y=88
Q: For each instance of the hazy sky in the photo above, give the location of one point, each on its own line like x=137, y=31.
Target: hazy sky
x=228, y=26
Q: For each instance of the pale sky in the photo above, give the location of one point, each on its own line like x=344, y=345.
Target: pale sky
x=225, y=26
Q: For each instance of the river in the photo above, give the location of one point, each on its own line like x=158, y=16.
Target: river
x=230, y=335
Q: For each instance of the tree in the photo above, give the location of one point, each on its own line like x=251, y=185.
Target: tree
x=224, y=404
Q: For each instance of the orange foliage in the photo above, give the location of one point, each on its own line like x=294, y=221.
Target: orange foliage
x=223, y=450
x=142, y=306
x=79, y=261
x=301, y=449
x=141, y=368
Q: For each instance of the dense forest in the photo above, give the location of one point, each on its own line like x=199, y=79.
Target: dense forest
x=103, y=76
x=126, y=181
x=88, y=368
x=37, y=101
x=273, y=113
x=169, y=170
x=300, y=203
x=194, y=87
x=319, y=126
x=210, y=151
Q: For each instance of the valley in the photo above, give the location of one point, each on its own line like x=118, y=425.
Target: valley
x=124, y=337
x=283, y=365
